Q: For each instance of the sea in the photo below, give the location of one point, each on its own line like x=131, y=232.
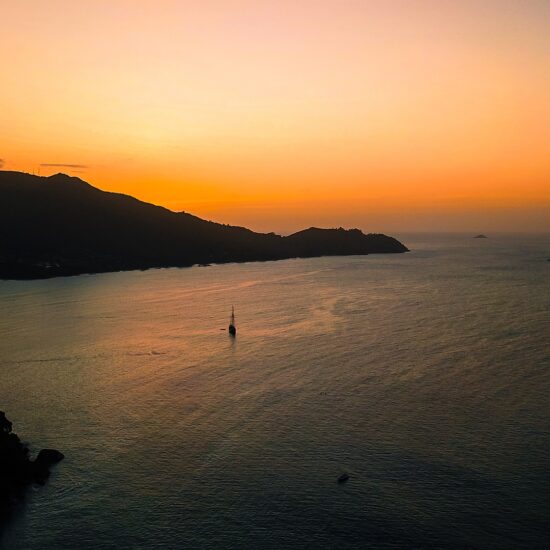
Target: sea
x=424, y=376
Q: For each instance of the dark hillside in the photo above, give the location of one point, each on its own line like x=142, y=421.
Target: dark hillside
x=61, y=225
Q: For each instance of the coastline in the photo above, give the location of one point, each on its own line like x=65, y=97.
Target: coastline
x=34, y=272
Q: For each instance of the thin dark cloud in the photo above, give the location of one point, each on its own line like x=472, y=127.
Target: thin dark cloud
x=56, y=165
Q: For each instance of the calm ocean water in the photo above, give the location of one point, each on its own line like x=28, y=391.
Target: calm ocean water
x=425, y=376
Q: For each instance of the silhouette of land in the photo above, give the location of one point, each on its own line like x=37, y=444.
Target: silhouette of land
x=61, y=225
x=17, y=470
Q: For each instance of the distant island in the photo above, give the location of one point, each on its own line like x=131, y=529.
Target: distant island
x=480, y=236
x=61, y=225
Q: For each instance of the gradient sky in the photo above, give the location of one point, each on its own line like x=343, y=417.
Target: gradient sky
x=381, y=114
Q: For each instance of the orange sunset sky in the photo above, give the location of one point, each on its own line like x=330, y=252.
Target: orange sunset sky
x=380, y=114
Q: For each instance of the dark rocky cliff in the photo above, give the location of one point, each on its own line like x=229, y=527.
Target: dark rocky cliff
x=17, y=470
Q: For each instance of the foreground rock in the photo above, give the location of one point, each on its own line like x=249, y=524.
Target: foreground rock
x=44, y=461
x=17, y=470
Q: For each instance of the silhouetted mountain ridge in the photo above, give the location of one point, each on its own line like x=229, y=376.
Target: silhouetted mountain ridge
x=62, y=225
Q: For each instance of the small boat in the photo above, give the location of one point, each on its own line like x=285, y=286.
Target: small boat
x=232, y=326
x=343, y=478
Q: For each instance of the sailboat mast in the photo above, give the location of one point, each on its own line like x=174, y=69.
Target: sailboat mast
x=232, y=329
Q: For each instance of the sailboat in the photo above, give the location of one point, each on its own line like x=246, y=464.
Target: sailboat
x=232, y=326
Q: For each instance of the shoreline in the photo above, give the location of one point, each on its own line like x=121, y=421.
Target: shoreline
x=36, y=272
